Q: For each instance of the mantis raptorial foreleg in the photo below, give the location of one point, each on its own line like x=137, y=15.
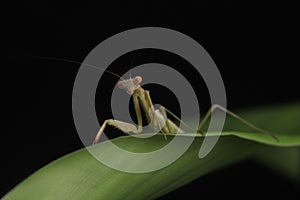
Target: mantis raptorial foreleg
x=138, y=113
x=152, y=116
x=123, y=126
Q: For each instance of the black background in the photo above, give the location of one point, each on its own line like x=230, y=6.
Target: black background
x=254, y=46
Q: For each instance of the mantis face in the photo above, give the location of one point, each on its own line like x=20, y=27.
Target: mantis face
x=130, y=85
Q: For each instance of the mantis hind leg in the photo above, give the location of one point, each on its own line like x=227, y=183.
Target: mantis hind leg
x=123, y=126
x=168, y=128
x=216, y=106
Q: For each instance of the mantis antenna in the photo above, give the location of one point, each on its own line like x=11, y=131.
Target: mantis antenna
x=69, y=61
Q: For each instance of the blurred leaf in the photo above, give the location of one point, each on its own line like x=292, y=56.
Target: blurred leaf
x=80, y=176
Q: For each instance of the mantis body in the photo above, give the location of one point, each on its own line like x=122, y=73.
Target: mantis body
x=156, y=118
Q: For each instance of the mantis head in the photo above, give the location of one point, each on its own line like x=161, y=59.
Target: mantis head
x=130, y=85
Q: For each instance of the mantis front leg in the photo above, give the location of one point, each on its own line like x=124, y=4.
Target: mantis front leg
x=156, y=118
x=123, y=126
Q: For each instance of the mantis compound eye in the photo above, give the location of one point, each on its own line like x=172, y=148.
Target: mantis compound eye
x=120, y=85
x=137, y=80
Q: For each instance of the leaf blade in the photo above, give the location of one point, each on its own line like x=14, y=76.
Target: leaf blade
x=79, y=176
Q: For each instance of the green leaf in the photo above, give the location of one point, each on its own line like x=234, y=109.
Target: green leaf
x=80, y=176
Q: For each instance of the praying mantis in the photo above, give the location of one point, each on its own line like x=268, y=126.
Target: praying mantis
x=157, y=118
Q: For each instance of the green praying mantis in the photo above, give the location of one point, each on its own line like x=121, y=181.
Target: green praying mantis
x=157, y=118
